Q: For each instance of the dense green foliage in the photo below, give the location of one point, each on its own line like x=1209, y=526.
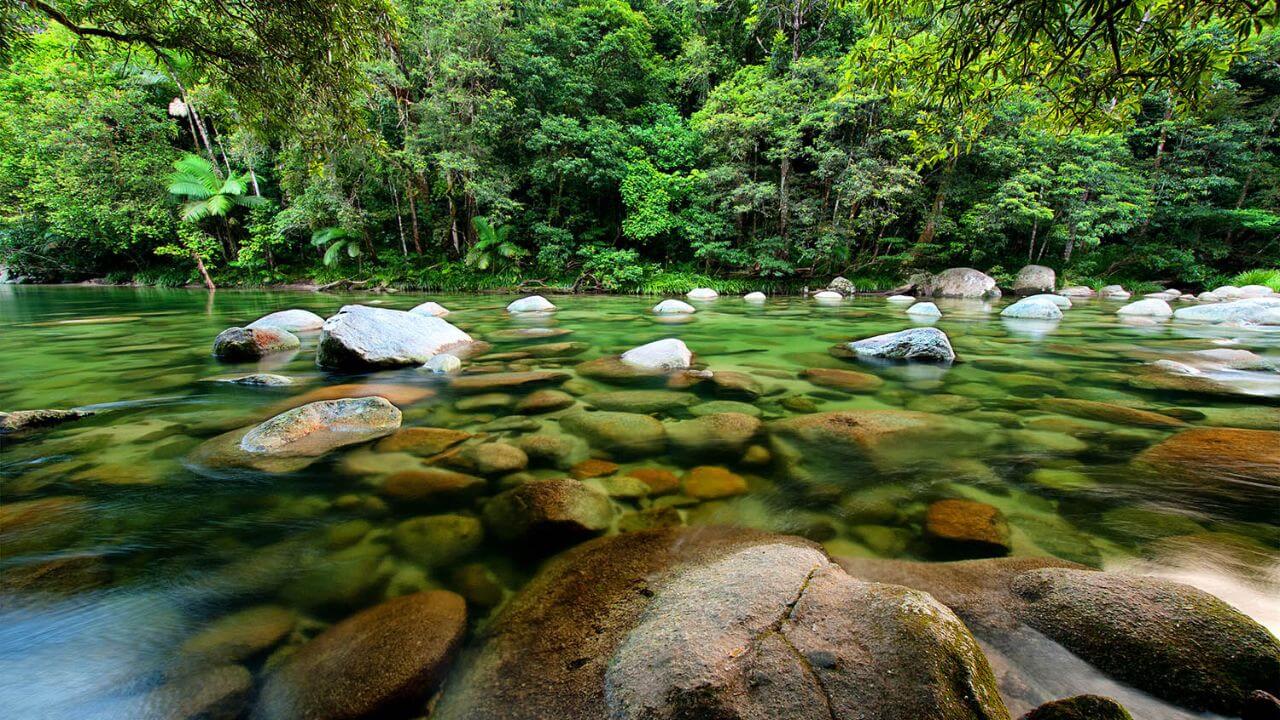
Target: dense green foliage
x=647, y=145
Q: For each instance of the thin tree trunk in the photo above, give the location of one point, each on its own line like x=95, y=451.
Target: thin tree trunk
x=413, y=217
x=783, y=208
x=395, y=196
x=204, y=273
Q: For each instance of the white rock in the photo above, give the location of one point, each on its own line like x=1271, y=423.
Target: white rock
x=1033, y=308
x=702, y=294
x=755, y=297
x=827, y=295
x=1247, y=311
x=293, y=320
x=1114, y=292
x=443, y=364
x=1268, y=317
x=1208, y=296
x=1151, y=307
x=362, y=337
x=1076, y=291
x=430, y=309
x=1186, y=297
x=924, y=344
x=924, y=309
x=667, y=354
x=673, y=307
x=1248, y=291
x=1061, y=301
x=901, y=299
x=531, y=304
x=1227, y=292
x=1177, y=368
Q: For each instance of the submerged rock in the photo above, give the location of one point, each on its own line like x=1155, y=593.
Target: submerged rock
x=493, y=382
x=443, y=364
x=723, y=435
x=1218, y=458
x=319, y=427
x=957, y=283
x=709, y=482
x=833, y=446
x=964, y=529
x=668, y=354
x=544, y=401
x=245, y=344
x=640, y=401
x=383, y=661
x=718, y=623
x=219, y=693
x=531, y=304
x=1034, y=279
x=259, y=379
x=422, y=440
x=734, y=385
x=293, y=320
x=359, y=337
x=437, y=540
x=624, y=434
x=1107, y=412
x=846, y=380
x=548, y=514
x=920, y=344
x=673, y=307
x=23, y=420
x=237, y=637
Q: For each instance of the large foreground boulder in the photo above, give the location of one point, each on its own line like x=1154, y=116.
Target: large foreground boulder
x=382, y=662
x=359, y=337
x=1217, y=457
x=295, y=438
x=718, y=623
x=293, y=320
x=920, y=344
x=1168, y=639
x=957, y=283
x=1034, y=279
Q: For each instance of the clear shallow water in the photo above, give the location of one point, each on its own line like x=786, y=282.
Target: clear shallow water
x=142, y=549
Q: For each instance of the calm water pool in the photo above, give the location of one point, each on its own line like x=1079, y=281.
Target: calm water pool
x=117, y=547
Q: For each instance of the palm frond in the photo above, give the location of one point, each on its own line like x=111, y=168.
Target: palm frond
x=201, y=169
x=187, y=186
x=331, y=255
x=195, y=211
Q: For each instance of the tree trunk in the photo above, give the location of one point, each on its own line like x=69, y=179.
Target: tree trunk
x=413, y=218
x=783, y=209
x=204, y=273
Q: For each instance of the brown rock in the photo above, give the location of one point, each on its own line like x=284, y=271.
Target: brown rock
x=1080, y=707
x=709, y=482
x=965, y=528
x=245, y=344
x=422, y=440
x=399, y=395
x=40, y=524
x=660, y=481
x=545, y=514
x=1107, y=412
x=615, y=372
x=493, y=458
x=492, y=382
x=1218, y=458
x=846, y=380
x=718, y=435
x=380, y=662
x=430, y=484
x=217, y=694
x=544, y=401
x=239, y=636
x=735, y=385
x=593, y=468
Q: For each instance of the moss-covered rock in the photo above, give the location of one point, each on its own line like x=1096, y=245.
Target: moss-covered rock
x=722, y=435
x=548, y=514
x=622, y=434
x=1080, y=707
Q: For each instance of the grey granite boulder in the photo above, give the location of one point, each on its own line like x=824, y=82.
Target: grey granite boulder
x=1034, y=279
x=920, y=344
x=293, y=320
x=360, y=337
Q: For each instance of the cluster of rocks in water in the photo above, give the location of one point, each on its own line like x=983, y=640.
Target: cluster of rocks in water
x=641, y=616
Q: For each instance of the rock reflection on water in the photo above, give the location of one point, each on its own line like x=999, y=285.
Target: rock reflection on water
x=121, y=546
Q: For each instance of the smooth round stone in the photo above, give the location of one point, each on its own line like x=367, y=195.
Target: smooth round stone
x=1032, y=309
x=702, y=294
x=260, y=379
x=715, y=407
x=293, y=320
x=829, y=295
x=666, y=354
x=1150, y=307
x=900, y=299
x=673, y=307
x=924, y=310
x=1062, y=301
x=755, y=297
x=709, y=482
x=443, y=364
x=531, y=304
x=1056, y=479
x=431, y=308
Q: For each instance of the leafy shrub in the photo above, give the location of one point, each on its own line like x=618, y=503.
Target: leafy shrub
x=1270, y=278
